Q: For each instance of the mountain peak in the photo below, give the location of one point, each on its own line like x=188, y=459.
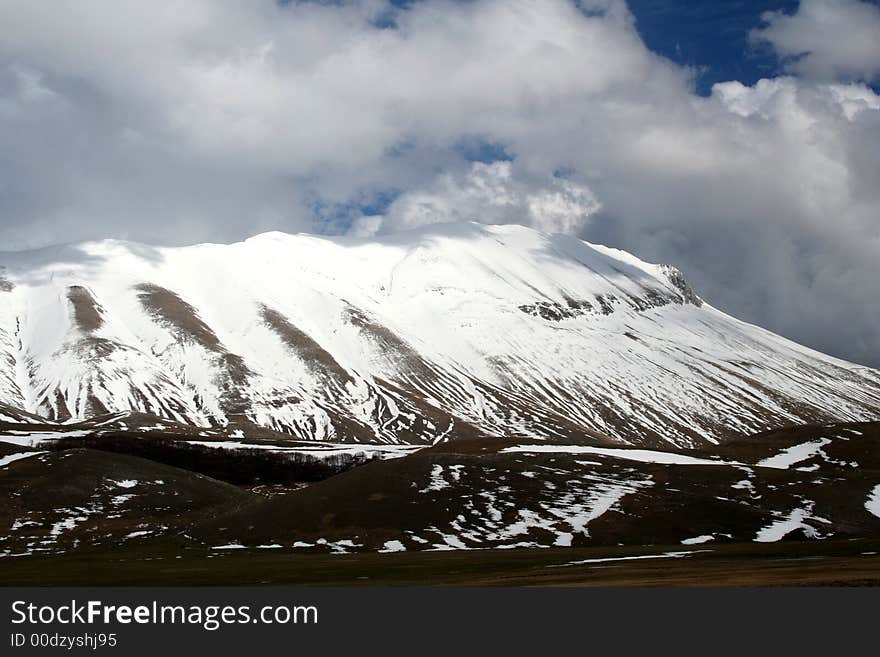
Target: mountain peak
x=445, y=330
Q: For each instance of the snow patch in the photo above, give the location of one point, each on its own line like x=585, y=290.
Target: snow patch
x=641, y=455
x=696, y=540
x=794, y=520
x=665, y=555
x=11, y=458
x=794, y=454
x=873, y=502
x=393, y=546
x=437, y=481
x=138, y=534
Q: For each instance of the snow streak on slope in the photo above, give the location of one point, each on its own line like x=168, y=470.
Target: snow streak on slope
x=10, y=391
x=450, y=330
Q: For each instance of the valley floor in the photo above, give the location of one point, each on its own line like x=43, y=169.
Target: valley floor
x=795, y=506
x=787, y=563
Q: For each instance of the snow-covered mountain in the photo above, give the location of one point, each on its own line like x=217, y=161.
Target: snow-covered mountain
x=459, y=329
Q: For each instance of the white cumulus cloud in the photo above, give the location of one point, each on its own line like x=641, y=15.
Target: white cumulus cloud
x=489, y=193
x=826, y=39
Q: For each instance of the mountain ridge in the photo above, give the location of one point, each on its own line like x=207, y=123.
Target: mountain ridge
x=456, y=329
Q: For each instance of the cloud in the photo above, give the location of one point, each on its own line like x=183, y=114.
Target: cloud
x=826, y=39
x=778, y=224
x=490, y=194
x=212, y=120
x=174, y=124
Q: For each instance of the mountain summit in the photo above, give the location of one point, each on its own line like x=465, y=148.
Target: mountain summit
x=458, y=329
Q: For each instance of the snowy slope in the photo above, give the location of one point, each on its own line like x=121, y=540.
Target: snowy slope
x=451, y=330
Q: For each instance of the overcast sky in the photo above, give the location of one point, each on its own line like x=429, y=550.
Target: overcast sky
x=211, y=120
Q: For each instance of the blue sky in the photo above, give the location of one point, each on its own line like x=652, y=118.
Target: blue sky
x=709, y=36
